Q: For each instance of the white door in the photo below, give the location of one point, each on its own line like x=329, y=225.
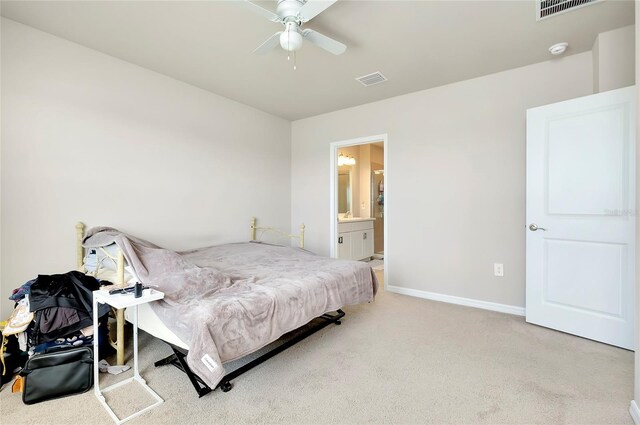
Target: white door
x=581, y=199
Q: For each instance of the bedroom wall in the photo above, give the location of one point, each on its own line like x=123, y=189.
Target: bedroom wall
x=455, y=178
x=89, y=137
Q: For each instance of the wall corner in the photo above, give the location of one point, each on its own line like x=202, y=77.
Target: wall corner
x=613, y=59
x=595, y=51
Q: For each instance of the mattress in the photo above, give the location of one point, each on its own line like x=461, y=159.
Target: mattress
x=149, y=322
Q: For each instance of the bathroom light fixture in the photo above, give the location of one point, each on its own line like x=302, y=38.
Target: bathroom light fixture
x=346, y=160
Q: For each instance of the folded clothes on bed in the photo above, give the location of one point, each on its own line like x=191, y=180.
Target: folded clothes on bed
x=230, y=300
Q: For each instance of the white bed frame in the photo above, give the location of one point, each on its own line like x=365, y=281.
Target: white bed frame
x=119, y=259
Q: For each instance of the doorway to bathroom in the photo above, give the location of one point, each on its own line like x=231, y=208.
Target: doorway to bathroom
x=359, y=201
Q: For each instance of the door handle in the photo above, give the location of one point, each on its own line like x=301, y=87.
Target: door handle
x=364, y=236
x=533, y=227
x=340, y=239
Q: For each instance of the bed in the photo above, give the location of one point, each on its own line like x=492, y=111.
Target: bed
x=225, y=302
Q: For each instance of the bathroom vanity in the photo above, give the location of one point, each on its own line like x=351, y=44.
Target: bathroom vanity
x=355, y=238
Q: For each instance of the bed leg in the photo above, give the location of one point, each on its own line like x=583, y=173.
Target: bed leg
x=120, y=337
x=334, y=318
x=120, y=313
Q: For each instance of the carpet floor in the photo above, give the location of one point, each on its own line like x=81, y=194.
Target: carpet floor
x=399, y=360
x=377, y=265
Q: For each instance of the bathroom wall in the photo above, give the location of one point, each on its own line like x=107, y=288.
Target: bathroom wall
x=369, y=154
x=377, y=162
x=365, y=181
x=377, y=154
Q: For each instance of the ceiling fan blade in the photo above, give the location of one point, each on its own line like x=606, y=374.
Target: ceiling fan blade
x=313, y=8
x=261, y=11
x=324, y=42
x=268, y=45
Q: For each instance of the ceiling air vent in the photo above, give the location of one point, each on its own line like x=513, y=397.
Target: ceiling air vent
x=371, y=79
x=548, y=8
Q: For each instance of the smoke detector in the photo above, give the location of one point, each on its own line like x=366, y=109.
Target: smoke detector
x=558, y=49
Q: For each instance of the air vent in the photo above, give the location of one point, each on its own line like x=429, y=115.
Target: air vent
x=371, y=79
x=548, y=8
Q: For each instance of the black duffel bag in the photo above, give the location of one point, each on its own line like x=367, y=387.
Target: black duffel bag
x=56, y=374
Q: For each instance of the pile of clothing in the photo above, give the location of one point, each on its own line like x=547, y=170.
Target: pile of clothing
x=52, y=311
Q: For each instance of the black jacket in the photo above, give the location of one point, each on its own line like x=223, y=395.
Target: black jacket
x=70, y=290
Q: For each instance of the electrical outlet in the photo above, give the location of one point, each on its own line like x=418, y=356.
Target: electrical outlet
x=498, y=269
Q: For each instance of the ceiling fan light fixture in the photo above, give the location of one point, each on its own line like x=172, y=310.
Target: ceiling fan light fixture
x=293, y=14
x=291, y=40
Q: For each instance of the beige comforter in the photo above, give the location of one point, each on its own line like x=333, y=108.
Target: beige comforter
x=230, y=300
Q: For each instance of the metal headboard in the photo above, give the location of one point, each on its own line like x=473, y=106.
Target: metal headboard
x=299, y=236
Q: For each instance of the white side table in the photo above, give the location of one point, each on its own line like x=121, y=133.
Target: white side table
x=121, y=301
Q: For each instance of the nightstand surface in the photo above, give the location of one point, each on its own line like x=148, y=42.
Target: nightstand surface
x=127, y=300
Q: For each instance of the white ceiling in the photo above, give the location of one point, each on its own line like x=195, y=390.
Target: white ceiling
x=416, y=44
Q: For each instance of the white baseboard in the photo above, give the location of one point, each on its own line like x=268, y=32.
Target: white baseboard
x=635, y=412
x=485, y=305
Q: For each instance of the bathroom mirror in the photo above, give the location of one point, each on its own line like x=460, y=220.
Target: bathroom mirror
x=344, y=190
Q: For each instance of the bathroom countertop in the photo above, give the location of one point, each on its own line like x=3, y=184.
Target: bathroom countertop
x=353, y=219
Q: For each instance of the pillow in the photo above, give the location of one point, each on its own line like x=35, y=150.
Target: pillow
x=102, y=263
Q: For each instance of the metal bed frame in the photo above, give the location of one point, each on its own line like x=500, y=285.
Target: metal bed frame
x=178, y=358
x=118, y=344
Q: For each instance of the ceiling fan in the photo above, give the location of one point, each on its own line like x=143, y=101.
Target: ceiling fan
x=292, y=14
